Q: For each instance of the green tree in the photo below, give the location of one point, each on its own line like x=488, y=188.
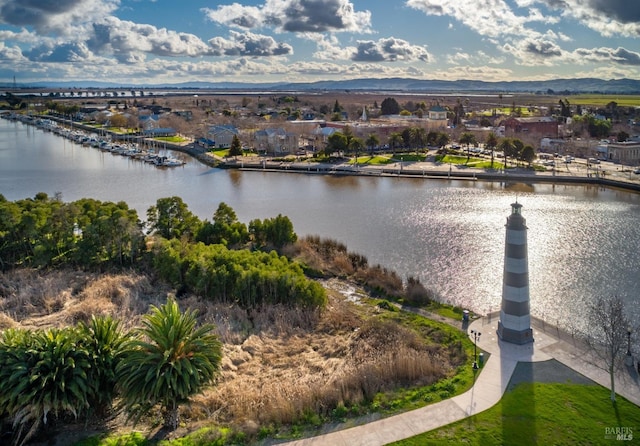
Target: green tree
x=528, y=154
x=276, y=232
x=467, y=139
x=508, y=148
x=169, y=360
x=518, y=146
x=395, y=141
x=171, y=218
x=622, y=136
x=372, y=142
x=236, y=147
x=389, y=106
x=443, y=139
x=491, y=143
x=225, y=229
x=432, y=138
x=336, y=143
x=355, y=146
x=598, y=128
x=418, y=138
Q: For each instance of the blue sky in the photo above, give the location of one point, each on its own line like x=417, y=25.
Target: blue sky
x=143, y=42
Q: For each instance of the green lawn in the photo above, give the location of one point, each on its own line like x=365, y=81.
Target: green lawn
x=221, y=152
x=604, y=99
x=174, y=139
x=415, y=157
x=478, y=163
x=541, y=414
x=372, y=160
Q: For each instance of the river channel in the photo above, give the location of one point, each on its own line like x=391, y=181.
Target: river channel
x=584, y=240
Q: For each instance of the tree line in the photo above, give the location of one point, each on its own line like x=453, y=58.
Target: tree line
x=223, y=259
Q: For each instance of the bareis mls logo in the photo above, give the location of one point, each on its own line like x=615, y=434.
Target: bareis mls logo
x=618, y=433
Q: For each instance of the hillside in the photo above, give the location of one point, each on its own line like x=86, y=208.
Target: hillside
x=564, y=86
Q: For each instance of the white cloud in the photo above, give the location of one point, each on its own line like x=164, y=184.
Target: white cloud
x=11, y=53
x=618, y=55
x=127, y=41
x=389, y=50
x=248, y=44
x=607, y=17
x=59, y=17
x=298, y=16
x=478, y=58
x=492, y=18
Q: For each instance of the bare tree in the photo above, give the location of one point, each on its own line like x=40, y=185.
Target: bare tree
x=609, y=325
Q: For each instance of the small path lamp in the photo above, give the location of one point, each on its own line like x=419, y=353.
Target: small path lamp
x=476, y=335
x=629, y=358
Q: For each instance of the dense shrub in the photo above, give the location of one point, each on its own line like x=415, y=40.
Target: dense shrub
x=246, y=277
x=43, y=375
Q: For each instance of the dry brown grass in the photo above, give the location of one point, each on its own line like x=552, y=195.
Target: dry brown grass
x=346, y=357
x=33, y=299
x=279, y=363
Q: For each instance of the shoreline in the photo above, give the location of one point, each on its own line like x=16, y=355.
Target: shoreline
x=425, y=170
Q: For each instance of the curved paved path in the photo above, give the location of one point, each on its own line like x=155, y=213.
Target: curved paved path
x=490, y=385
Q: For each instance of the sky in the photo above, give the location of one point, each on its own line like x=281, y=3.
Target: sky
x=146, y=42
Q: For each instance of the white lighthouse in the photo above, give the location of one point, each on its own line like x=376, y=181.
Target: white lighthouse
x=515, y=319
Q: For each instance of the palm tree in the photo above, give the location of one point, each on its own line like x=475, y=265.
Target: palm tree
x=355, y=145
x=491, y=143
x=43, y=374
x=507, y=147
x=418, y=137
x=169, y=360
x=467, y=139
x=443, y=139
x=103, y=339
x=395, y=140
x=372, y=141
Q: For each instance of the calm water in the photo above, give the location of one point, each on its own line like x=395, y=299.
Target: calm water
x=583, y=240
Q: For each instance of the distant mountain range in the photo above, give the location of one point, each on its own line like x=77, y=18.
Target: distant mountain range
x=563, y=86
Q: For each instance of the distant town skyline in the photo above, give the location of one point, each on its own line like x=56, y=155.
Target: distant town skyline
x=146, y=42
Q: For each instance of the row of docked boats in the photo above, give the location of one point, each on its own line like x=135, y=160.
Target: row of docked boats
x=128, y=149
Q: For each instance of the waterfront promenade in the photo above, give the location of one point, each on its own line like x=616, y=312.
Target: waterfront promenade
x=550, y=344
x=577, y=172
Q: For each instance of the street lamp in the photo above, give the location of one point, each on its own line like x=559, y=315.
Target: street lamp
x=476, y=335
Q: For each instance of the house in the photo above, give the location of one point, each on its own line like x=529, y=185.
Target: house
x=437, y=113
x=154, y=133
x=187, y=115
x=149, y=122
x=627, y=152
x=322, y=133
x=276, y=141
x=543, y=126
x=206, y=143
x=222, y=135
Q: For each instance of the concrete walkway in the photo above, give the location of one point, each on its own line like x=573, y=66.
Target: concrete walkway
x=491, y=383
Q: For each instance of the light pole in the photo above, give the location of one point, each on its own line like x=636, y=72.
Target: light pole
x=476, y=335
